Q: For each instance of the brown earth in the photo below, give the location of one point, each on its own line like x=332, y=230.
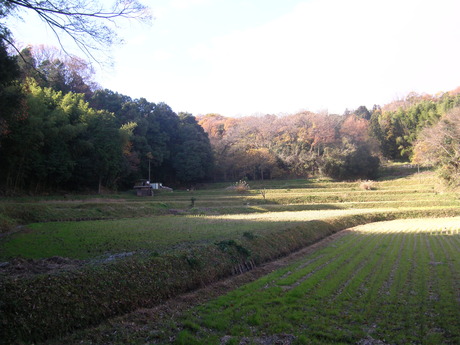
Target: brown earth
x=20, y=267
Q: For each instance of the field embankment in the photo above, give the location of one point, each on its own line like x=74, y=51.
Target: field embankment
x=124, y=264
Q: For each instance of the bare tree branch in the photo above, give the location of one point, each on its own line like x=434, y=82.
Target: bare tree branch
x=89, y=25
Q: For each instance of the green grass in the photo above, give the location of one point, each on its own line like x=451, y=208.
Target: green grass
x=83, y=240
x=134, y=224
x=398, y=287
x=159, y=235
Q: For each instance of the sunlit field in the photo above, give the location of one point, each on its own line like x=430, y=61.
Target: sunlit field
x=383, y=283
x=433, y=226
x=82, y=240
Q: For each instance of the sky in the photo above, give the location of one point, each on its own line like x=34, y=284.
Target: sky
x=246, y=57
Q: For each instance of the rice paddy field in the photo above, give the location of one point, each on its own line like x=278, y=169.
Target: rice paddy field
x=94, y=228
x=72, y=262
x=391, y=282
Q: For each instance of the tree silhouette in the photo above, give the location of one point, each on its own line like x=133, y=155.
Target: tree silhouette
x=88, y=23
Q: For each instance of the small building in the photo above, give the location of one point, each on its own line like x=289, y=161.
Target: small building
x=156, y=185
x=143, y=188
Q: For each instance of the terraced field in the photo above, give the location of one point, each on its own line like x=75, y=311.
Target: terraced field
x=73, y=262
x=383, y=283
x=127, y=224
x=102, y=239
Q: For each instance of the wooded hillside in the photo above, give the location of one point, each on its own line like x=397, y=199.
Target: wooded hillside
x=61, y=131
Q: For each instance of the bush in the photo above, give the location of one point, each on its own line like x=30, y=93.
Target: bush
x=353, y=161
x=368, y=185
x=241, y=186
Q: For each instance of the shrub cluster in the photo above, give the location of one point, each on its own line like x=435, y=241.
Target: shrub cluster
x=368, y=185
x=242, y=186
x=350, y=162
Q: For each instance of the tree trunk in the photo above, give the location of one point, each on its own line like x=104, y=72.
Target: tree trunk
x=99, y=188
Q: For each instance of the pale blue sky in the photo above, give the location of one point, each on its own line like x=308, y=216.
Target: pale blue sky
x=241, y=57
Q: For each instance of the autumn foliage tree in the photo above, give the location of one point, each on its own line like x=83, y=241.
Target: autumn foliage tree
x=355, y=155
x=59, y=131
x=439, y=145
x=259, y=147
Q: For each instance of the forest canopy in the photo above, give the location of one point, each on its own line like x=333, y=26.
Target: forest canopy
x=63, y=132
x=59, y=130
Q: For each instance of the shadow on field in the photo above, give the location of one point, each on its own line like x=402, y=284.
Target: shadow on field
x=280, y=207
x=396, y=172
